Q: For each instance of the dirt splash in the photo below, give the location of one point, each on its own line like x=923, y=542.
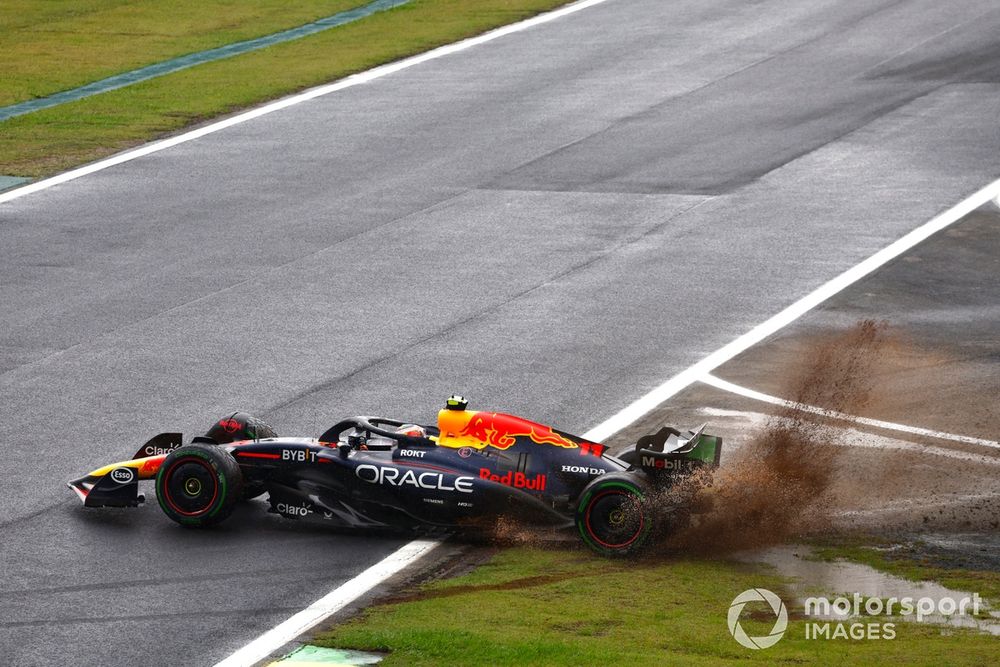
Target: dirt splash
x=778, y=485
x=508, y=531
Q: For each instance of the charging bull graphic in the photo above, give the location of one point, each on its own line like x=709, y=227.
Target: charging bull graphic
x=468, y=428
x=502, y=431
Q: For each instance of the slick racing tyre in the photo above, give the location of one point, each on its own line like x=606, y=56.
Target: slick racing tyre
x=241, y=426
x=613, y=516
x=199, y=485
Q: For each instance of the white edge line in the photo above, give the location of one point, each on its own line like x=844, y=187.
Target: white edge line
x=317, y=612
x=321, y=609
x=326, y=606
x=696, y=372
x=724, y=385
x=353, y=80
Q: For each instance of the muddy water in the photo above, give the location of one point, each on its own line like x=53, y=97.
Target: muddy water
x=844, y=578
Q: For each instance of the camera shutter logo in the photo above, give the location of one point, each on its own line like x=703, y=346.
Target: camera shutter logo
x=757, y=595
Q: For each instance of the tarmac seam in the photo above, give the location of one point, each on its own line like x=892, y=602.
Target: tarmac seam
x=492, y=308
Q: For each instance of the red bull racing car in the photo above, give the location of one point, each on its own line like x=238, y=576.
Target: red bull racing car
x=468, y=471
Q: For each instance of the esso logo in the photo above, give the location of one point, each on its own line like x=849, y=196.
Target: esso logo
x=122, y=475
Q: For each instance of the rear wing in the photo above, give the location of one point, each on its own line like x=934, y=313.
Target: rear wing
x=671, y=451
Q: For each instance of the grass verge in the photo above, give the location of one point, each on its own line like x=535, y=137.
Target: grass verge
x=52, y=140
x=566, y=607
x=61, y=44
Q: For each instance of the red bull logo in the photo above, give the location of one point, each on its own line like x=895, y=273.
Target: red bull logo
x=151, y=465
x=518, y=480
x=229, y=425
x=502, y=431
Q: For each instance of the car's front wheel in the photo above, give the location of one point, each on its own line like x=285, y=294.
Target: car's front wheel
x=199, y=485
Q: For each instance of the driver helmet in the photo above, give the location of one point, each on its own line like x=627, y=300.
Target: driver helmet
x=412, y=430
x=239, y=426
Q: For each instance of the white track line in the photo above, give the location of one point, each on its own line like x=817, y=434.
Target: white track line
x=696, y=372
x=270, y=641
x=328, y=605
x=725, y=385
x=353, y=80
x=855, y=437
x=316, y=613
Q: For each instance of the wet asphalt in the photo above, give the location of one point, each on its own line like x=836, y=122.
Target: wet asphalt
x=551, y=224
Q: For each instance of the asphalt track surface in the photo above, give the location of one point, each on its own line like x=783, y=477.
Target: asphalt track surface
x=551, y=223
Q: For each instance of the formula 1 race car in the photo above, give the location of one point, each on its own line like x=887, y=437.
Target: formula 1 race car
x=367, y=472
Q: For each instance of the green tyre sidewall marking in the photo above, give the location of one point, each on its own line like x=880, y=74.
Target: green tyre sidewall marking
x=586, y=499
x=194, y=521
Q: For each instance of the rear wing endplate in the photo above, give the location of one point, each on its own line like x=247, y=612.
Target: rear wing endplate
x=670, y=450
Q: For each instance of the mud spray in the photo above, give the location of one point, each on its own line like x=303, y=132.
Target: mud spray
x=778, y=485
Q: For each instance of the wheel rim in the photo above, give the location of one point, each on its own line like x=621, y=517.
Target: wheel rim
x=614, y=518
x=190, y=486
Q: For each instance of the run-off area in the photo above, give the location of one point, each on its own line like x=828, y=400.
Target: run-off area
x=911, y=344
x=932, y=361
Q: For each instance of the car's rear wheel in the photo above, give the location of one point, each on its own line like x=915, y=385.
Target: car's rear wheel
x=199, y=485
x=613, y=517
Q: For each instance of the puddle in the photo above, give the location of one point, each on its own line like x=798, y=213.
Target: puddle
x=845, y=579
x=305, y=656
x=8, y=182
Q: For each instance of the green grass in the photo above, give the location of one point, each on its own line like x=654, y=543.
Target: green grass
x=52, y=46
x=908, y=564
x=558, y=607
x=60, y=44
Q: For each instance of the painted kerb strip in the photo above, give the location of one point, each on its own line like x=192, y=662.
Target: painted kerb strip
x=190, y=60
x=329, y=604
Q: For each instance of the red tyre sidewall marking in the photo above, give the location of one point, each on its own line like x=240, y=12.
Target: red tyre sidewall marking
x=590, y=530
